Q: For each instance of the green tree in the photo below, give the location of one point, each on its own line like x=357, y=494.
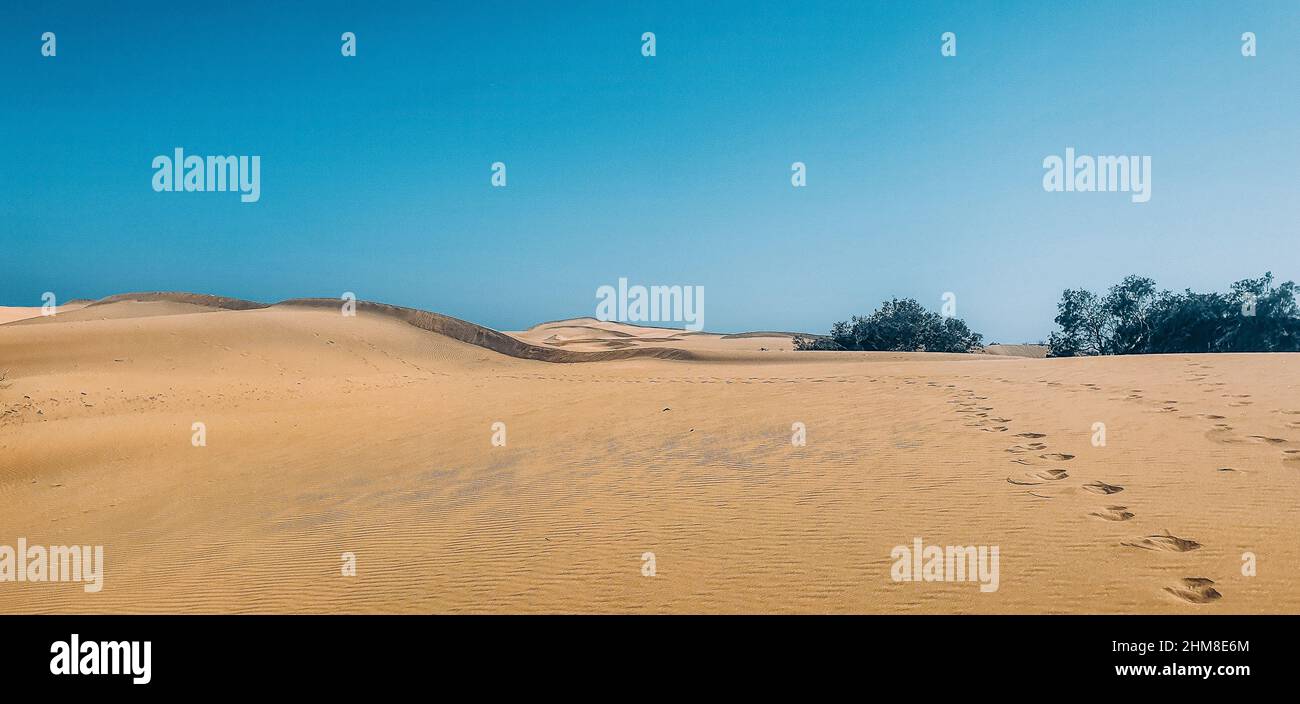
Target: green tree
x=1254, y=316
x=899, y=325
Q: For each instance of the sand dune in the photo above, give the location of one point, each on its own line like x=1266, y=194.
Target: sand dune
x=15, y=313
x=1034, y=351
x=143, y=305
x=463, y=331
x=590, y=334
x=371, y=435
x=10, y=314
x=195, y=299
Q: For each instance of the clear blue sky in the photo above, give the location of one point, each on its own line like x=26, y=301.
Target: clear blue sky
x=924, y=173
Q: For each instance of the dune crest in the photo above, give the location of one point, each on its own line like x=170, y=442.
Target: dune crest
x=485, y=337
x=160, y=303
x=197, y=299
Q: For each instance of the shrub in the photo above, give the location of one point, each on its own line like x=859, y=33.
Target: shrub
x=900, y=325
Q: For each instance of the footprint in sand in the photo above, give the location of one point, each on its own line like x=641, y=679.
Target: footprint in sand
x=1029, y=447
x=1195, y=590
x=1035, y=478
x=1057, y=456
x=995, y=429
x=1221, y=433
x=1291, y=456
x=1272, y=441
x=1031, y=435
x=1113, y=513
x=1103, y=488
x=1164, y=543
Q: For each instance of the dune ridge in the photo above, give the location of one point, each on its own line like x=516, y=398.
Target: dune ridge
x=429, y=321
x=197, y=299
x=488, y=338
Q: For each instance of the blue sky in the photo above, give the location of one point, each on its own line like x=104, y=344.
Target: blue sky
x=924, y=172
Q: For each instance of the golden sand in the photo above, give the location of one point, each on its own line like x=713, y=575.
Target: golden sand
x=372, y=435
